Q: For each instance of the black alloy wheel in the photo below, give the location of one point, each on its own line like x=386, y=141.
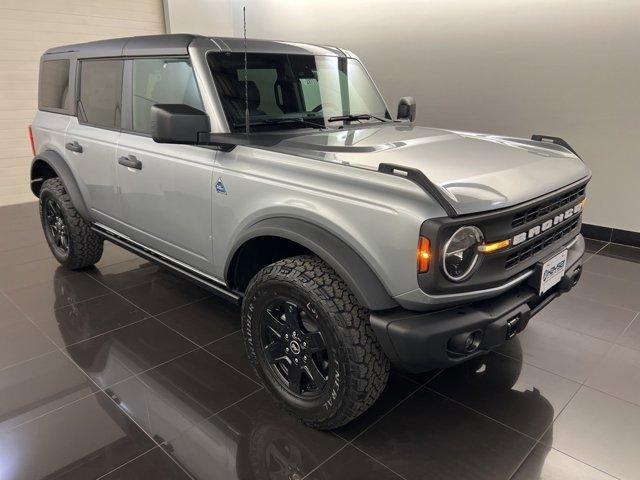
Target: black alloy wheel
x=56, y=226
x=311, y=342
x=295, y=348
x=68, y=235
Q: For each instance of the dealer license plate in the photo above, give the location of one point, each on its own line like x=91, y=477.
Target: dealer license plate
x=552, y=271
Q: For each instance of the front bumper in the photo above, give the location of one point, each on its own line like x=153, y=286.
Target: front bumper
x=421, y=341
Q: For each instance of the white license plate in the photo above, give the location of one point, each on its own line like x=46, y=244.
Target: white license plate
x=552, y=271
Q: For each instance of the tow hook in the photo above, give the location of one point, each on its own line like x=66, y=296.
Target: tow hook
x=577, y=275
x=512, y=327
x=567, y=283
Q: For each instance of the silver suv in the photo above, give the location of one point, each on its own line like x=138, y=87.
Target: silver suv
x=276, y=177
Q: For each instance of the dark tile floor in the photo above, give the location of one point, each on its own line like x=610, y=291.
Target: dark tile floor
x=124, y=371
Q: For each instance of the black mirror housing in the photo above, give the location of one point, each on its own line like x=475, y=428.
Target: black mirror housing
x=407, y=109
x=179, y=123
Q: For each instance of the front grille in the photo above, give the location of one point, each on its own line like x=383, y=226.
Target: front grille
x=541, y=243
x=541, y=209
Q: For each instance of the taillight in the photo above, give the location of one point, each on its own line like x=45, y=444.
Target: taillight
x=424, y=255
x=33, y=146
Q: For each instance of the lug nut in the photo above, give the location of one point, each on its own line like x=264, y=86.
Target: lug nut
x=286, y=335
x=296, y=360
x=286, y=349
x=304, y=344
x=304, y=359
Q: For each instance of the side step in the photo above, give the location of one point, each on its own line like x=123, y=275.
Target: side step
x=201, y=279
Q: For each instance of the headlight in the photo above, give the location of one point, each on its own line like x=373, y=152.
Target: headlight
x=461, y=253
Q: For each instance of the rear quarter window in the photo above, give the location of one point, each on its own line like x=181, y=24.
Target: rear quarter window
x=54, y=84
x=100, y=92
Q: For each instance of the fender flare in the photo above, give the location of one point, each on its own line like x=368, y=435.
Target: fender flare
x=351, y=267
x=60, y=166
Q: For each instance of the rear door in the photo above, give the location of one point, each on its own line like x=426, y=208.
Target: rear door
x=92, y=137
x=165, y=190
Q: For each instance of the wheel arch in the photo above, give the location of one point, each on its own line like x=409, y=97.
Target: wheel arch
x=284, y=237
x=50, y=164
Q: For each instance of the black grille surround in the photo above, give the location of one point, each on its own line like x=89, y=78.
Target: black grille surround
x=541, y=242
x=543, y=208
x=498, y=268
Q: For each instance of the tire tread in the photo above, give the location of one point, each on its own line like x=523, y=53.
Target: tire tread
x=85, y=246
x=368, y=365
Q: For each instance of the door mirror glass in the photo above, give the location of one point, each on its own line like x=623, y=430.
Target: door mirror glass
x=179, y=123
x=407, y=109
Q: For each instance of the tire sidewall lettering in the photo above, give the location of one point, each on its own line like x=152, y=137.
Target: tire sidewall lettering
x=330, y=400
x=334, y=392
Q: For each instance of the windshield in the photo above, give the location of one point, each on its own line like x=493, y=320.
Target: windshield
x=294, y=91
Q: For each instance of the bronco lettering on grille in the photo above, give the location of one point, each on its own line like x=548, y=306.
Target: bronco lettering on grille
x=538, y=229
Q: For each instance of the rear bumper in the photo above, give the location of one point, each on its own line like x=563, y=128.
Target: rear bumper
x=420, y=341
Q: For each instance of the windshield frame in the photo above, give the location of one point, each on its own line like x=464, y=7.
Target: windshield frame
x=289, y=118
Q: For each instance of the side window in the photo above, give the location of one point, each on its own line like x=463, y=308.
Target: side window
x=101, y=92
x=54, y=83
x=161, y=80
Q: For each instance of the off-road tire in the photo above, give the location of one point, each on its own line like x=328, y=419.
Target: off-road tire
x=360, y=368
x=85, y=246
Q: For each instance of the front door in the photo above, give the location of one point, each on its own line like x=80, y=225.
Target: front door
x=165, y=190
x=91, y=139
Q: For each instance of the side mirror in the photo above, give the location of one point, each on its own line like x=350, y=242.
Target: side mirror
x=179, y=123
x=407, y=109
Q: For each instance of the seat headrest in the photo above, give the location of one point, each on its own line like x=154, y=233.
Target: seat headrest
x=253, y=95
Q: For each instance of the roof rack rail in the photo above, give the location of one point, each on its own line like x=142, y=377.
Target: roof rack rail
x=420, y=179
x=556, y=140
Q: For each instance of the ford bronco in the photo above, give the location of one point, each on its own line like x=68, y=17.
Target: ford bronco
x=273, y=174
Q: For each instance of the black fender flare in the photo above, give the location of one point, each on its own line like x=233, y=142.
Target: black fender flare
x=351, y=267
x=60, y=166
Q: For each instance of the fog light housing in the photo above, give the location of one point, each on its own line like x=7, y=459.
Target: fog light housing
x=465, y=343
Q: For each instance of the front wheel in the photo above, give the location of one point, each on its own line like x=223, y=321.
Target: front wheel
x=311, y=343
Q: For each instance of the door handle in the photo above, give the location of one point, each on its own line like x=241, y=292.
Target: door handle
x=74, y=147
x=130, y=161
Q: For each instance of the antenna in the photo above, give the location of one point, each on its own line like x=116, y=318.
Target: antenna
x=246, y=84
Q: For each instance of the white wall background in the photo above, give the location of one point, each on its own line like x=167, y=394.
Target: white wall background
x=568, y=68
x=27, y=29
x=206, y=17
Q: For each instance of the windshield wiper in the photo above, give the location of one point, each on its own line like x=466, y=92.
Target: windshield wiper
x=351, y=118
x=282, y=121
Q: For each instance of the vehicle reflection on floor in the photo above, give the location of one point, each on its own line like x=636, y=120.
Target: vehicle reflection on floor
x=217, y=423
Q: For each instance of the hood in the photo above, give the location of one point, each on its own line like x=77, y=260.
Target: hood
x=476, y=172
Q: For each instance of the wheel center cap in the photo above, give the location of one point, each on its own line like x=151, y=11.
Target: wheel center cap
x=294, y=346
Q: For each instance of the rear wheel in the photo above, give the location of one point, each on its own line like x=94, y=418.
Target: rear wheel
x=69, y=236
x=310, y=341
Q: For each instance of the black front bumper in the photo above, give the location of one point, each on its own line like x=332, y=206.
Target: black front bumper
x=421, y=341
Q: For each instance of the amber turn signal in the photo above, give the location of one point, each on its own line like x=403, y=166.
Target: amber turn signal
x=493, y=247
x=424, y=255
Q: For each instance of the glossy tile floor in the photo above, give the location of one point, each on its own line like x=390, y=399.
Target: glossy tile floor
x=124, y=371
